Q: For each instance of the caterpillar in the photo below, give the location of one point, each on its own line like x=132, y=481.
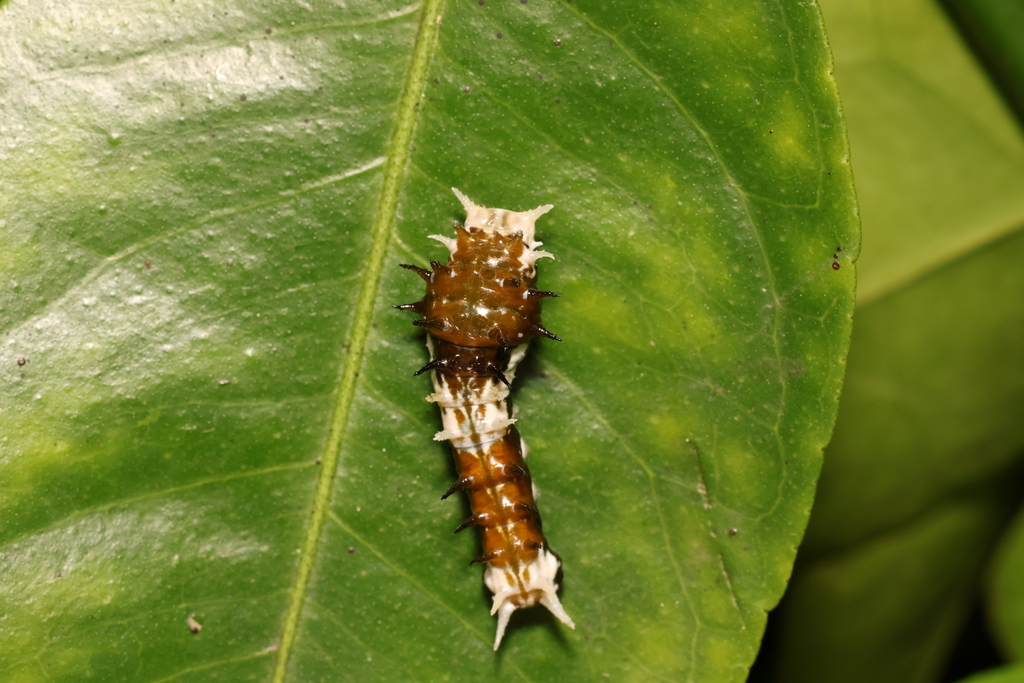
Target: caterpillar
x=480, y=312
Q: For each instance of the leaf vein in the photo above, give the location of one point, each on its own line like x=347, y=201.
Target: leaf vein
x=382, y=231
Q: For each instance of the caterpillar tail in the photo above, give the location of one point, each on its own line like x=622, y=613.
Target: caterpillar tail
x=528, y=585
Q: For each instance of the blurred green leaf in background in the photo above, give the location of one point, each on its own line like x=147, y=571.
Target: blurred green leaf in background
x=925, y=468
x=215, y=462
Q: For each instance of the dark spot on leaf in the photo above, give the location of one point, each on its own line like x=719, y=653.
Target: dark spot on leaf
x=558, y=41
x=22, y=361
x=835, y=265
x=498, y=35
x=243, y=98
x=733, y=532
x=351, y=550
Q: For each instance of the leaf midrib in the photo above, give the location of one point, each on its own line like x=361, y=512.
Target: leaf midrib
x=394, y=172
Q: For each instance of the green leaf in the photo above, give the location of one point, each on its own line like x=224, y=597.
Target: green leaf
x=209, y=418
x=993, y=29
x=895, y=600
x=1006, y=593
x=1005, y=674
x=938, y=155
x=917, y=482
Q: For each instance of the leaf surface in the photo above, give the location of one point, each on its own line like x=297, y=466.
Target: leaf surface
x=1006, y=594
x=919, y=478
x=215, y=418
x=1005, y=674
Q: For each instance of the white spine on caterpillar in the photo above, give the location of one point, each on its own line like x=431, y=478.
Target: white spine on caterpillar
x=513, y=591
x=505, y=222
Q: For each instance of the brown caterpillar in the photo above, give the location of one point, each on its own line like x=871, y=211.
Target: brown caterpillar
x=480, y=312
